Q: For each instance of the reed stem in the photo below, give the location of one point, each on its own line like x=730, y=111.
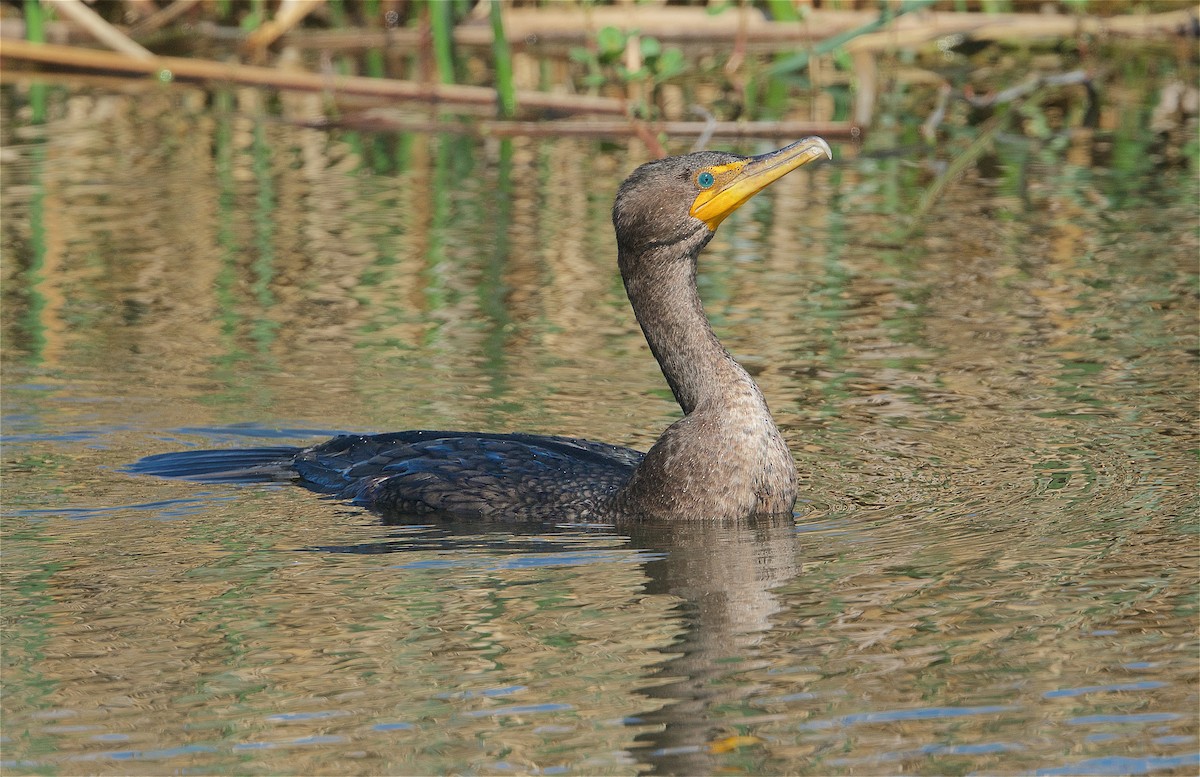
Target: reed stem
x=505, y=90
x=441, y=24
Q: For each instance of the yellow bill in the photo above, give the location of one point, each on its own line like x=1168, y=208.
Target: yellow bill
x=724, y=188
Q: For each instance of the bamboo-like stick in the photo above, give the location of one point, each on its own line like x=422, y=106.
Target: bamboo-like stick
x=678, y=25
x=101, y=30
x=730, y=130
x=597, y=128
x=908, y=32
x=208, y=70
x=289, y=14
x=866, y=72
x=561, y=25
x=376, y=119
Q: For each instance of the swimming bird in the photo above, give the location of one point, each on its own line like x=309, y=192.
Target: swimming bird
x=724, y=459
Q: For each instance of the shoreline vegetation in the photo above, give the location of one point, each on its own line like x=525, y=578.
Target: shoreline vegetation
x=620, y=59
x=1050, y=72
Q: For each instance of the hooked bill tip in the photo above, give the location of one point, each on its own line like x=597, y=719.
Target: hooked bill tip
x=823, y=145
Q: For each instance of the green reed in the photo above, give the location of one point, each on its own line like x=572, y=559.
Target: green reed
x=502, y=57
x=441, y=25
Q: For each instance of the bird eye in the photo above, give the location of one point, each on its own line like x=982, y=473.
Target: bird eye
x=705, y=180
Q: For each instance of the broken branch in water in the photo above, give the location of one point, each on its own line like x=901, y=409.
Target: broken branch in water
x=1031, y=89
x=1011, y=94
x=986, y=135
x=931, y=124
x=1026, y=87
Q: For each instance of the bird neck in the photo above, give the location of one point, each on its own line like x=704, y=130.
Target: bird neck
x=667, y=305
x=725, y=458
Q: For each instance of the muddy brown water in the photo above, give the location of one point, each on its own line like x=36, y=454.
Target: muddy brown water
x=992, y=569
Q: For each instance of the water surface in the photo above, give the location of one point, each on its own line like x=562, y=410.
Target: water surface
x=993, y=567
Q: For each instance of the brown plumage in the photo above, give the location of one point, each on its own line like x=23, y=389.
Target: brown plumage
x=724, y=459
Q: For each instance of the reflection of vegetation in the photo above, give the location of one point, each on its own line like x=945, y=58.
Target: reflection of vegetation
x=27, y=638
x=264, y=228
x=35, y=298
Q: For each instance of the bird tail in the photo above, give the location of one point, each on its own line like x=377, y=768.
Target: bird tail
x=234, y=465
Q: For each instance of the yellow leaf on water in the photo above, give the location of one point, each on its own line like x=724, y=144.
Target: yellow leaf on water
x=733, y=743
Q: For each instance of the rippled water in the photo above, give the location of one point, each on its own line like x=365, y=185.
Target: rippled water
x=993, y=568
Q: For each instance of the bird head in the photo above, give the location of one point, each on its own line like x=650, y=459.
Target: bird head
x=682, y=199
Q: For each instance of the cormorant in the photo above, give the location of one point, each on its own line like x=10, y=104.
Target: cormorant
x=725, y=459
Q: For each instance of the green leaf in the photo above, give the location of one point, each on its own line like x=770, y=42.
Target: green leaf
x=581, y=55
x=610, y=40
x=650, y=47
x=783, y=11
x=670, y=64
x=251, y=21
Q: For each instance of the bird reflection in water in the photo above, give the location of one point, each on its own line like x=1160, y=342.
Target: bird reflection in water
x=720, y=573
x=723, y=573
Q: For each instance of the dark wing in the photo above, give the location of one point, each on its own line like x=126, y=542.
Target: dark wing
x=469, y=474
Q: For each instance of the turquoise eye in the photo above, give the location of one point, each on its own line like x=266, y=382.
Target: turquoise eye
x=705, y=179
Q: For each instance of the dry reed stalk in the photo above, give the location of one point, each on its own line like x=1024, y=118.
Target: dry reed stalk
x=866, y=74
x=207, y=70
x=162, y=17
x=672, y=24
x=101, y=30
x=562, y=25
x=566, y=25
x=288, y=15
x=598, y=128
x=730, y=130
x=915, y=29
x=140, y=8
